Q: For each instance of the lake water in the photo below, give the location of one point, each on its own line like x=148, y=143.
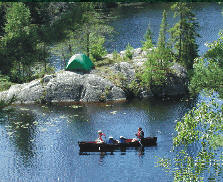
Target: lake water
x=39, y=143
x=132, y=23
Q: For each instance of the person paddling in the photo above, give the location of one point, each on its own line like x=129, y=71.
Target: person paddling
x=100, y=134
x=140, y=135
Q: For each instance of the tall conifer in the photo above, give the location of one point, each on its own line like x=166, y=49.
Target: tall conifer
x=148, y=43
x=163, y=31
x=184, y=34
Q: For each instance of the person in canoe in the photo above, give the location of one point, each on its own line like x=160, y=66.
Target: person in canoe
x=100, y=139
x=140, y=134
x=122, y=139
x=112, y=140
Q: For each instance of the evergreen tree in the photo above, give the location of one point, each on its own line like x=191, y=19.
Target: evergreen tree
x=87, y=33
x=2, y=19
x=163, y=50
x=207, y=70
x=90, y=26
x=148, y=43
x=184, y=34
x=159, y=59
x=163, y=30
x=19, y=41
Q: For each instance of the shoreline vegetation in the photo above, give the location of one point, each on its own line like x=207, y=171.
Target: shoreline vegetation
x=170, y=67
x=158, y=71
x=118, y=80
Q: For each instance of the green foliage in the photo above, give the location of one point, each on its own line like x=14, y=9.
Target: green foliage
x=159, y=59
x=87, y=29
x=28, y=30
x=207, y=74
x=203, y=127
x=41, y=71
x=97, y=49
x=184, y=33
x=128, y=52
x=137, y=85
x=2, y=19
x=116, y=56
x=157, y=67
x=19, y=43
x=3, y=104
x=103, y=62
x=63, y=50
x=215, y=52
x=148, y=43
x=208, y=71
x=4, y=82
x=163, y=30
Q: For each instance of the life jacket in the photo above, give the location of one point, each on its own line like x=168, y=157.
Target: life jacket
x=140, y=134
x=100, y=136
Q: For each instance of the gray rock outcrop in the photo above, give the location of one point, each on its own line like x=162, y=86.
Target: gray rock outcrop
x=66, y=86
x=176, y=83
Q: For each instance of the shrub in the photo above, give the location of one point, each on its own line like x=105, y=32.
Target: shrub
x=97, y=49
x=39, y=73
x=116, y=57
x=129, y=52
x=4, y=82
x=157, y=67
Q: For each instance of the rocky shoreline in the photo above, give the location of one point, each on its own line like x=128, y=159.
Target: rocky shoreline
x=66, y=86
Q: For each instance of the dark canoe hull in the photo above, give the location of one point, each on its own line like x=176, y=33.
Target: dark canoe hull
x=97, y=147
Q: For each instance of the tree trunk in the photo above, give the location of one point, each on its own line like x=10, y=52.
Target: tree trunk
x=88, y=44
x=44, y=55
x=180, y=49
x=70, y=49
x=64, y=60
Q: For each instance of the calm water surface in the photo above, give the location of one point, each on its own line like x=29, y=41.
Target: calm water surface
x=39, y=143
x=132, y=23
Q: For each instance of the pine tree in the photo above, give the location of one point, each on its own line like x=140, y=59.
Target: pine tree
x=91, y=26
x=159, y=59
x=163, y=31
x=148, y=43
x=184, y=34
x=20, y=40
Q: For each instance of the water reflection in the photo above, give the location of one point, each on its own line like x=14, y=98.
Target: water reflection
x=21, y=132
x=136, y=18
x=43, y=140
x=140, y=151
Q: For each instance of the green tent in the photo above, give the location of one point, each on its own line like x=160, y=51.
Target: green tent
x=79, y=62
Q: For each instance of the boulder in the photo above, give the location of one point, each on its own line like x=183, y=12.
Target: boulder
x=137, y=52
x=47, y=78
x=64, y=86
x=126, y=69
x=179, y=70
x=109, y=56
x=96, y=89
x=29, y=92
x=176, y=83
x=24, y=93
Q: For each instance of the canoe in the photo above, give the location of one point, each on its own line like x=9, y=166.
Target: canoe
x=92, y=146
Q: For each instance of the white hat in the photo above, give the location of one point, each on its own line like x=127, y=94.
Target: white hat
x=121, y=137
x=99, y=131
x=110, y=136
